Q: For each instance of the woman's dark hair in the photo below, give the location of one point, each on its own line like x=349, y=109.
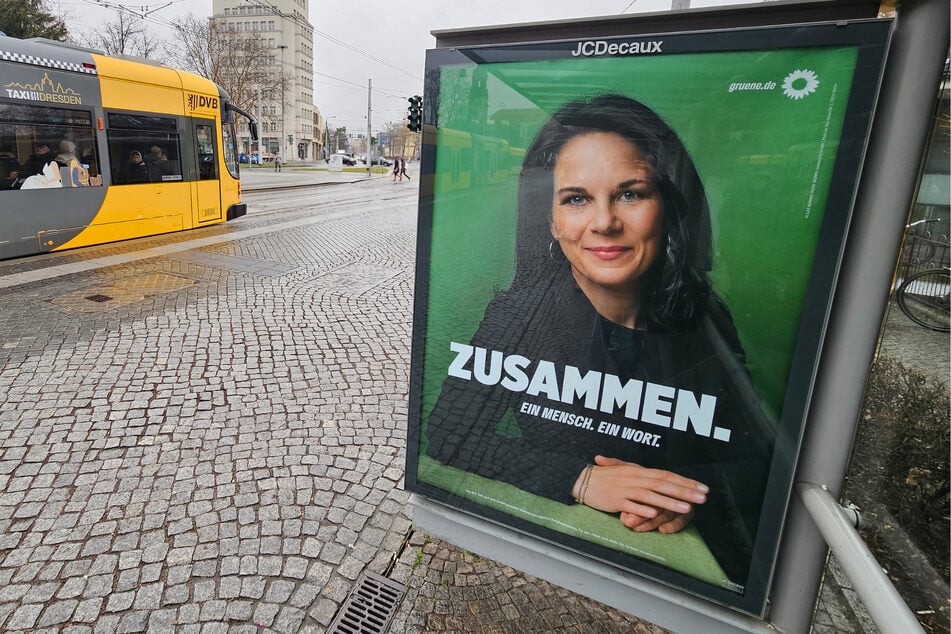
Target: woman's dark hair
x=675, y=289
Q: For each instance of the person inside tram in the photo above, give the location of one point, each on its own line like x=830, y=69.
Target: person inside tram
x=136, y=171
x=41, y=157
x=158, y=164
x=67, y=153
x=8, y=165
x=92, y=162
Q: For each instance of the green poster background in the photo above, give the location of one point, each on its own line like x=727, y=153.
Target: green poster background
x=765, y=160
x=763, y=129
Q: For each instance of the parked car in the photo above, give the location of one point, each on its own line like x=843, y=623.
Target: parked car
x=339, y=159
x=259, y=158
x=378, y=160
x=344, y=159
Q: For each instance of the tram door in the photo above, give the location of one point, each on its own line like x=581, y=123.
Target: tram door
x=208, y=193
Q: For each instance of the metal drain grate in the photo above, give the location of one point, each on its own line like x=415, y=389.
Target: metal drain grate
x=370, y=606
x=98, y=298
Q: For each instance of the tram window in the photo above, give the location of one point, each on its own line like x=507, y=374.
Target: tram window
x=229, y=150
x=136, y=140
x=207, y=161
x=44, y=147
x=140, y=121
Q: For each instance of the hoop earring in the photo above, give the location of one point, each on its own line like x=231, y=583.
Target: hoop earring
x=551, y=252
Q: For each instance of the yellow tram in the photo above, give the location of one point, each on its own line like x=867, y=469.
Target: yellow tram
x=96, y=149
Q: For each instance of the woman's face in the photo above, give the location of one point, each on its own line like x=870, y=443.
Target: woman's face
x=606, y=213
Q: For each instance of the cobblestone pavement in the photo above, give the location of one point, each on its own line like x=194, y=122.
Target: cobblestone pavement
x=208, y=437
x=218, y=446
x=450, y=590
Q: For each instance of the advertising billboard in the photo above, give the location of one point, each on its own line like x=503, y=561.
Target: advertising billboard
x=627, y=250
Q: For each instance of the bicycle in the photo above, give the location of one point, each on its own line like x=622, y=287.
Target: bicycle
x=925, y=298
x=921, y=245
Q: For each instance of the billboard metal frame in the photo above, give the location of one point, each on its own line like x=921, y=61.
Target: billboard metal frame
x=886, y=189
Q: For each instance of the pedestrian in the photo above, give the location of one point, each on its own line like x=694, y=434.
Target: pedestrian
x=397, y=162
x=403, y=170
x=277, y=162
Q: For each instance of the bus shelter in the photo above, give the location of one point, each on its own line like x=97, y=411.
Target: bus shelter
x=653, y=257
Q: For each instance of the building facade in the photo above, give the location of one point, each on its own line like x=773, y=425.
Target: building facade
x=289, y=124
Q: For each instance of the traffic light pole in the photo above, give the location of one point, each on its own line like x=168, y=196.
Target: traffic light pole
x=415, y=114
x=369, y=137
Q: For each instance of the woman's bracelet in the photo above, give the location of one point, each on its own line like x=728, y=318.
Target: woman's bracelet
x=586, y=477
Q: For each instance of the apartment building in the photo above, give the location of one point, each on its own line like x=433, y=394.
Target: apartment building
x=289, y=124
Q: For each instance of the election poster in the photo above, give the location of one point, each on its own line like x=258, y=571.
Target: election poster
x=626, y=256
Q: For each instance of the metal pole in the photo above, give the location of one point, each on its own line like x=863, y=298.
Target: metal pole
x=280, y=145
x=890, y=174
x=369, y=110
x=257, y=104
x=878, y=595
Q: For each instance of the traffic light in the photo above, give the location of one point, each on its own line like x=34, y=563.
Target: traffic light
x=415, y=114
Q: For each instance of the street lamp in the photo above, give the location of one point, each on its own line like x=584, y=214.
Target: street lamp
x=283, y=79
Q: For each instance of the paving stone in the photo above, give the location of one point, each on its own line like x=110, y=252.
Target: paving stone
x=57, y=613
x=162, y=621
x=148, y=597
x=213, y=610
x=119, y=601
x=24, y=617
x=133, y=622
x=175, y=595
x=88, y=610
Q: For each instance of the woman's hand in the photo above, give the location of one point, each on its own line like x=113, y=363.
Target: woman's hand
x=664, y=522
x=647, y=499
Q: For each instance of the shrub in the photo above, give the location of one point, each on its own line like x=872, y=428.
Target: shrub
x=900, y=478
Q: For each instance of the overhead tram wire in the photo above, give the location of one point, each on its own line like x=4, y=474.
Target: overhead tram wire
x=367, y=55
x=300, y=21
x=148, y=16
x=145, y=14
x=376, y=90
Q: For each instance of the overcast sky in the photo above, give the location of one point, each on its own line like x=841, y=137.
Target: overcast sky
x=391, y=37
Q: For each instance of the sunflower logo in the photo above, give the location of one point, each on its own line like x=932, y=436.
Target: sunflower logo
x=800, y=83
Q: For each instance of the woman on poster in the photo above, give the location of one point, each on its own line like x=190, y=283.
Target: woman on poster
x=613, y=246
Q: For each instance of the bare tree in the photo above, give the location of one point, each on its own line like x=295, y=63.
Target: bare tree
x=401, y=141
x=126, y=35
x=238, y=61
